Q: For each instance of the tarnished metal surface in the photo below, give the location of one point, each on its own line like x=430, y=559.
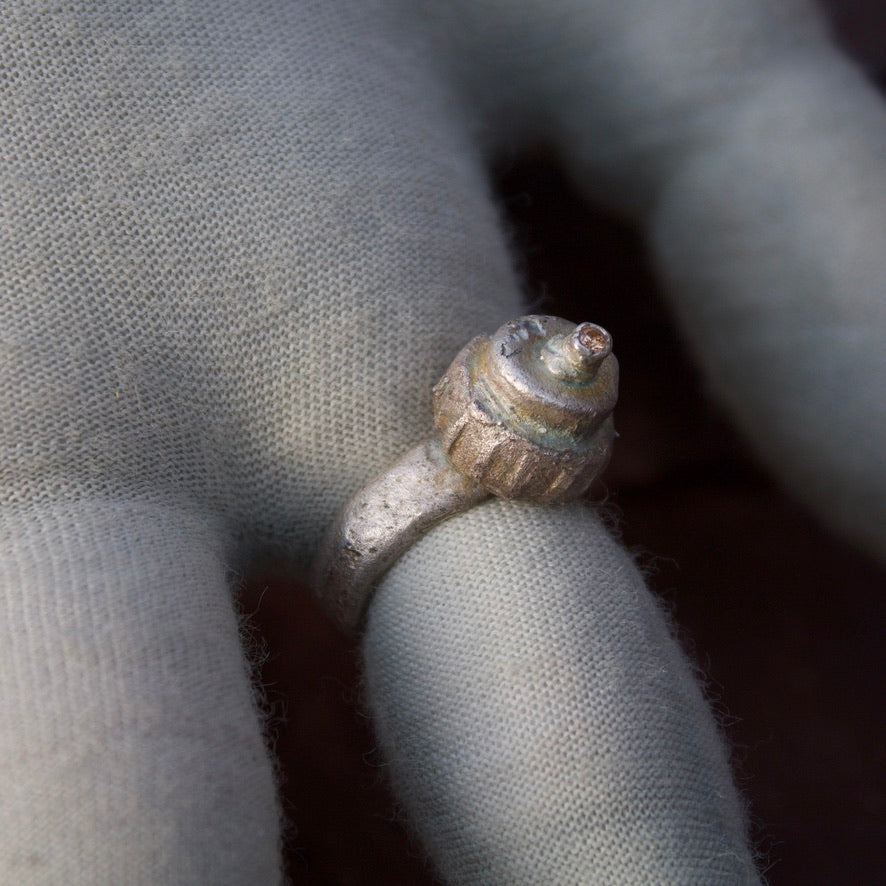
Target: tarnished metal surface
x=525, y=413
x=381, y=521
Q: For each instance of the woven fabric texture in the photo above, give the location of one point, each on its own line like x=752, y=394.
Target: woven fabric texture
x=128, y=733
x=540, y=718
x=239, y=243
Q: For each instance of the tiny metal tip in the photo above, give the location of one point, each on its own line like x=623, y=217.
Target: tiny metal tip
x=593, y=338
x=589, y=345
x=577, y=355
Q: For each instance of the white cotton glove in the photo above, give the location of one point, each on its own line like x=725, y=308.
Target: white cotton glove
x=240, y=241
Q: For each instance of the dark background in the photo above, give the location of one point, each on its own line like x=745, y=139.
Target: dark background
x=786, y=622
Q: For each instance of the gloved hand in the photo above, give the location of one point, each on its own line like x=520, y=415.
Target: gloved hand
x=240, y=243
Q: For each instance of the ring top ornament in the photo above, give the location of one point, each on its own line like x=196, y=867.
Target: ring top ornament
x=525, y=413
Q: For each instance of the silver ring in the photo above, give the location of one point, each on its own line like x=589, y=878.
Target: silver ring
x=525, y=413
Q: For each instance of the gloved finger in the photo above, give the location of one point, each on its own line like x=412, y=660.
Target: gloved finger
x=240, y=243
x=783, y=297
x=755, y=154
x=130, y=740
x=242, y=276
x=542, y=725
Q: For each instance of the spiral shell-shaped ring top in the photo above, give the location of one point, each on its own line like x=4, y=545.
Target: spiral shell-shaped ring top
x=527, y=412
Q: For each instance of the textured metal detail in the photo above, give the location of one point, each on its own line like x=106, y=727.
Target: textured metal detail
x=381, y=521
x=525, y=413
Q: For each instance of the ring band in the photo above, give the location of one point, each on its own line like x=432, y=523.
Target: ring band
x=524, y=414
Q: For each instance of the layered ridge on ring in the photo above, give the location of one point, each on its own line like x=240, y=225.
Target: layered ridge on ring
x=516, y=428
